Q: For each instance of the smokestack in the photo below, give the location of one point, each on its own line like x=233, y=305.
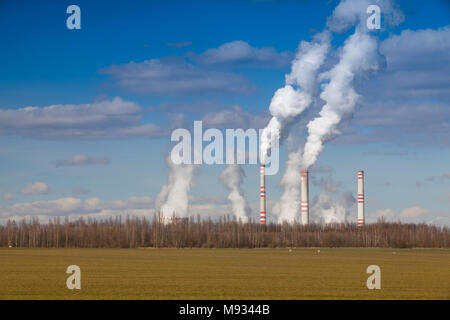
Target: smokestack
x=360, y=198
x=262, y=212
x=304, y=202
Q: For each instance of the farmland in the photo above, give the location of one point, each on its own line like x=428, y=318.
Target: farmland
x=298, y=273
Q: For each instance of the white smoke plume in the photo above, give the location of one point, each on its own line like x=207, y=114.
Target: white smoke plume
x=173, y=199
x=291, y=100
x=359, y=55
x=232, y=178
x=287, y=207
x=287, y=104
x=354, y=12
x=330, y=210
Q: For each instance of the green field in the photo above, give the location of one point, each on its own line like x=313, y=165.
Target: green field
x=224, y=273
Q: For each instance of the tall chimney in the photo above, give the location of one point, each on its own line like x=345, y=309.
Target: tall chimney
x=360, y=198
x=262, y=213
x=304, y=201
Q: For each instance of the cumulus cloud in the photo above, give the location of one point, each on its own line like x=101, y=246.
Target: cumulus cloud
x=240, y=53
x=407, y=215
x=75, y=206
x=36, y=188
x=44, y=207
x=176, y=76
x=197, y=73
x=81, y=160
x=100, y=119
x=385, y=214
x=95, y=204
x=414, y=212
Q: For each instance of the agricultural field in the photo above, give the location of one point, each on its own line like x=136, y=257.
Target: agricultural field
x=300, y=273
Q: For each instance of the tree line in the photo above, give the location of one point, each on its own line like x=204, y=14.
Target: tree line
x=225, y=232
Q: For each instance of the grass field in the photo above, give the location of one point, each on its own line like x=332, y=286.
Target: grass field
x=224, y=273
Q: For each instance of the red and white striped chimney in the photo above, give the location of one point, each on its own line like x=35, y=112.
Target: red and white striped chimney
x=361, y=198
x=305, y=202
x=262, y=212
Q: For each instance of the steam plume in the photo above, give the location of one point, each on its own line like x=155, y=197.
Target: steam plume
x=232, y=178
x=173, y=199
x=330, y=210
x=288, y=206
x=359, y=55
x=287, y=104
x=291, y=100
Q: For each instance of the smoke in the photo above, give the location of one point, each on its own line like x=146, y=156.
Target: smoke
x=330, y=210
x=288, y=206
x=173, y=199
x=350, y=12
x=232, y=178
x=287, y=104
x=359, y=55
x=291, y=100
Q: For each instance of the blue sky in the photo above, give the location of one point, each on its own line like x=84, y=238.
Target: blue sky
x=400, y=133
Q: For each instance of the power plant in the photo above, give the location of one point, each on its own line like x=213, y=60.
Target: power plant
x=304, y=201
x=262, y=212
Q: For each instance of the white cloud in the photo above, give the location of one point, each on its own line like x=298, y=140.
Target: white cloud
x=82, y=160
x=418, y=63
x=414, y=212
x=35, y=188
x=100, y=119
x=408, y=102
x=387, y=214
x=350, y=12
x=44, y=207
x=240, y=53
x=74, y=206
x=175, y=76
x=95, y=204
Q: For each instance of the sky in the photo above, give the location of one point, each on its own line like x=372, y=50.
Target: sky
x=86, y=115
